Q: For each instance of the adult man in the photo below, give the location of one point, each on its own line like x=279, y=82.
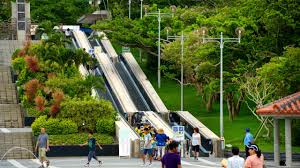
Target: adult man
x=172, y=158
x=235, y=161
x=147, y=147
x=42, y=145
x=248, y=140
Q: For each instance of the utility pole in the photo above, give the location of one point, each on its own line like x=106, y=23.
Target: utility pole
x=158, y=15
x=129, y=4
x=182, y=38
x=221, y=40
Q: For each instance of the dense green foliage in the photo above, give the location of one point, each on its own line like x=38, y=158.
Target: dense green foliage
x=76, y=139
x=50, y=87
x=106, y=125
x=5, y=10
x=57, y=11
x=271, y=32
x=54, y=126
x=85, y=113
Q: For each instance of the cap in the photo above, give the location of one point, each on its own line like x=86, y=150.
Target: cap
x=253, y=146
x=247, y=129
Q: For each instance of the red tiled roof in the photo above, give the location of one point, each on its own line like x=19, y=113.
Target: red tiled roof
x=289, y=105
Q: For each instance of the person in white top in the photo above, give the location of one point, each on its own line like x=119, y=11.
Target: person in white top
x=196, y=143
x=68, y=33
x=235, y=161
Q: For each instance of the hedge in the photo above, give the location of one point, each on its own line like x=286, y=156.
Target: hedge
x=54, y=126
x=106, y=126
x=85, y=113
x=76, y=139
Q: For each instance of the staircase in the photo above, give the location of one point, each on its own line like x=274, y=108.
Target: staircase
x=12, y=131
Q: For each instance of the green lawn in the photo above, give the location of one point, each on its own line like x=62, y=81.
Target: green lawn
x=233, y=130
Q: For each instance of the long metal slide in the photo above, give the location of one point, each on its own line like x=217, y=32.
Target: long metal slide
x=120, y=89
x=131, y=71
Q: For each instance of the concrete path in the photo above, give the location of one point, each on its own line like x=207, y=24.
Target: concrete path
x=115, y=162
x=108, y=162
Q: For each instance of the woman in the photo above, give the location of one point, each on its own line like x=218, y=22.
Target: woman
x=196, y=142
x=256, y=159
x=161, y=139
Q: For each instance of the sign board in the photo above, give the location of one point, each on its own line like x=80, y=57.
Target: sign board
x=124, y=142
x=178, y=133
x=91, y=51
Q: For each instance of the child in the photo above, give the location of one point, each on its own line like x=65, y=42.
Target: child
x=147, y=147
x=91, y=142
x=171, y=159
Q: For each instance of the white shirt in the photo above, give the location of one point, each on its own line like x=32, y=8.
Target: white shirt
x=68, y=33
x=235, y=162
x=147, y=139
x=196, y=139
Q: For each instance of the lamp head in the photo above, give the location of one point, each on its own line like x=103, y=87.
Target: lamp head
x=203, y=31
x=239, y=31
x=173, y=8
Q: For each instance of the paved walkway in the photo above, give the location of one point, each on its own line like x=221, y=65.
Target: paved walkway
x=108, y=162
x=114, y=162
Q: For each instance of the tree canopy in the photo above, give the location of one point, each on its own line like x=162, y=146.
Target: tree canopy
x=268, y=45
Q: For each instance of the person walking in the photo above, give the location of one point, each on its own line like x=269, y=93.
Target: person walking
x=248, y=140
x=161, y=139
x=172, y=158
x=196, y=142
x=42, y=146
x=147, y=147
x=235, y=161
x=91, y=142
x=256, y=159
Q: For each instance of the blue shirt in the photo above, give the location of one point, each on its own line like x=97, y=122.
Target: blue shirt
x=42, y=140
x=161, y=139
x=248, y=139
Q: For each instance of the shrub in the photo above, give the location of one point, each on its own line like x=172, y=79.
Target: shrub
x=31, y=88
x=40, y=103
x=106, y=126
x=54, y=126
x=18, y=64
x=32, y=63
x=76, y=139
x=85, y=113
x=58, y=96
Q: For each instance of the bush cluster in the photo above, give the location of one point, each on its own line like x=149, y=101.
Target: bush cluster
x=54, y=126
x=75, y=139
x=85, y=113
x=106, y=126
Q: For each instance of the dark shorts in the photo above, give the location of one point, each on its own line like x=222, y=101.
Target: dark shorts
x=196, y=148
x=147, y=151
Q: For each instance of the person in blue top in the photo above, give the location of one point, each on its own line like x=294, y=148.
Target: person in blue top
x=92, y=149
x=248, y=140
x=161, y=139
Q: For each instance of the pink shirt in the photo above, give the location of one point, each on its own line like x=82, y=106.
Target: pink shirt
x=254, y=162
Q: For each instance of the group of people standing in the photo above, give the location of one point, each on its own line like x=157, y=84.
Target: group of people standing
x=254, y=157
x=157, y=145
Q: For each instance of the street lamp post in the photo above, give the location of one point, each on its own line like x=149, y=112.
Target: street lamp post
x=158, y=15
x=181, y=75
x=129, y=9
x=141, y=9
x=140, y=50
x=221, y=41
